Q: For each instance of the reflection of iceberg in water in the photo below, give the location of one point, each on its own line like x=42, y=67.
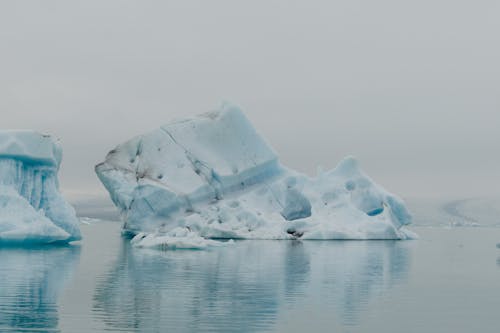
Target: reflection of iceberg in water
x=30, y=284
x=246, y=286
x=354, y=273
x=235, y=289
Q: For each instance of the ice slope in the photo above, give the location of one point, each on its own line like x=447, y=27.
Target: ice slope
x=31, y=208
x=213, y=176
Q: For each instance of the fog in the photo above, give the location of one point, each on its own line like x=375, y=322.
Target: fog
x=411, y=88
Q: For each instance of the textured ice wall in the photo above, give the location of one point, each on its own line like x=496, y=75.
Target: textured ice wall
x=31, y=208
x=213, y=176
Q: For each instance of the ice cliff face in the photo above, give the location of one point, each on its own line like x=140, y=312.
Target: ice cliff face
x=213, y=176
x=31, y=208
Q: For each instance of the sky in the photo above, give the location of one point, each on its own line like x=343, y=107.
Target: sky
x=411, y=88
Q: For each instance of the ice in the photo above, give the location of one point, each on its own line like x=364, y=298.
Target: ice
x=31, y=208
x=179, y=238
x=214, y=176
x=297, y=206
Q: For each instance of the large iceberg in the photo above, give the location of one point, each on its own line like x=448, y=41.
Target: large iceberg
x=31, y=208
x=213, y=176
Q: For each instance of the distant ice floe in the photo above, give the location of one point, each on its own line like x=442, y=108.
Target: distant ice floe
x=213, y=176
x=458, y=212
x=31, y=208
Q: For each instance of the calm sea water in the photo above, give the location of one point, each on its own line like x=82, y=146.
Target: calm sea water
x=447, y=281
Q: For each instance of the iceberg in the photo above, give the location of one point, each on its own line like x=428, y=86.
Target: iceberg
x=32, y=209
x=213, y=176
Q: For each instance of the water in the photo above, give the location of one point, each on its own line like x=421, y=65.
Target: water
x=447, y=281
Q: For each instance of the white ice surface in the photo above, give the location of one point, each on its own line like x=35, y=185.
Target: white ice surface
x=30, y=146
x=179, y=238
x=214, y=176
x=31, y=208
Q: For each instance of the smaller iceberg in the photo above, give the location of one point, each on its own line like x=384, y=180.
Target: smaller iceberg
x=214, y=177
x=32, y=209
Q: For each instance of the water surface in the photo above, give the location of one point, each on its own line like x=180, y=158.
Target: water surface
x=447, y=281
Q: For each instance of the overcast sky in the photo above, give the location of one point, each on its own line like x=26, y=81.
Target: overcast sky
x=412, y=88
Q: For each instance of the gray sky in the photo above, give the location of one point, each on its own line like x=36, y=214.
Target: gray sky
x=412, y=88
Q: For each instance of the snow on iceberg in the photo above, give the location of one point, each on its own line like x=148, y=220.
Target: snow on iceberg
x=214, y=176
x=31, y=208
